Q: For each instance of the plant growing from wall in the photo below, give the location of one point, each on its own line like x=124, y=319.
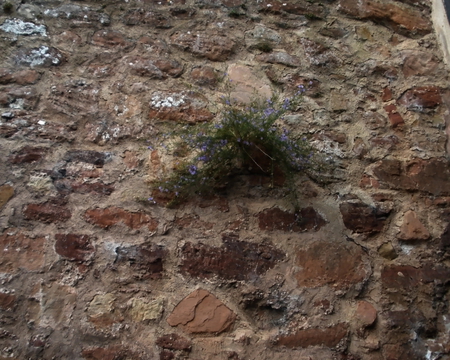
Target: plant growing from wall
x=246, y=139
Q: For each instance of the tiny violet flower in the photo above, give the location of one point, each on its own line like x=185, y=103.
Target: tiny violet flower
x=193, y=169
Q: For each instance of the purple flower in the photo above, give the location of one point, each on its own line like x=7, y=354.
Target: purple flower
x=193, y=169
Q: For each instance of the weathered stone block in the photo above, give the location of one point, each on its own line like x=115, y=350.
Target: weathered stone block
x=276, y=219
x=237, y=260
x=432, y=176
x=42, y=56
x=146, y=261
x=329, y=337
x=19, y=251
x=212, y=47
x=88, y=156
x=412, y=228
x=401, y=19
x=335, y=263
x=48, y=212
x=154, y=68
x=6, y=193
x=174, y=342
x=114, y=215
x=22, y=77
x=363, y=218
x=74, y=246
x=201, y=312
x=111, y=39
x=421, y=97
x=27, y=154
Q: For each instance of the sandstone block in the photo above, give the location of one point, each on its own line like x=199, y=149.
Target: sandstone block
x=401, y=19
x=48, y=212
x=19, y=251
x=27, y=154
x=363, y=218
x=174, y=342
x=247, y=84
x=279, y=57
x=22, y=77
x=74, y=247
x=6, y=193
x=237, y=260
x=201, y=312
x=276, y=219
x=406, y=277
x=204, y=76
x=147, y=261
x=111, y=39
x=42, y=56
x=336, y=263
x=114, y=215
x=418, y=63
x=431, y=176
x=365, y=313
x=318, y=54
x=329, y=337
x=146, y=17
x=67, y=186
x=412, y=228
x=154, y=68
x=88, y=156
x=143, y=310
x=421, y=97
x=79, y=16
x=387, y=251
x=212, y=47
x=7, y=301
x=394, y=117
x=100, y=310
x=179, y=107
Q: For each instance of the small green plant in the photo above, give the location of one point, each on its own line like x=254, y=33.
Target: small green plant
x=247, y=140
x=264, y=46
x=8, y=7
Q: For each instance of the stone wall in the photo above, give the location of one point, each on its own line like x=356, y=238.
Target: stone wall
x=90, y=269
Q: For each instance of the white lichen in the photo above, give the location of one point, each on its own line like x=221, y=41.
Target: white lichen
x=19, y=27
x=169, y=101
